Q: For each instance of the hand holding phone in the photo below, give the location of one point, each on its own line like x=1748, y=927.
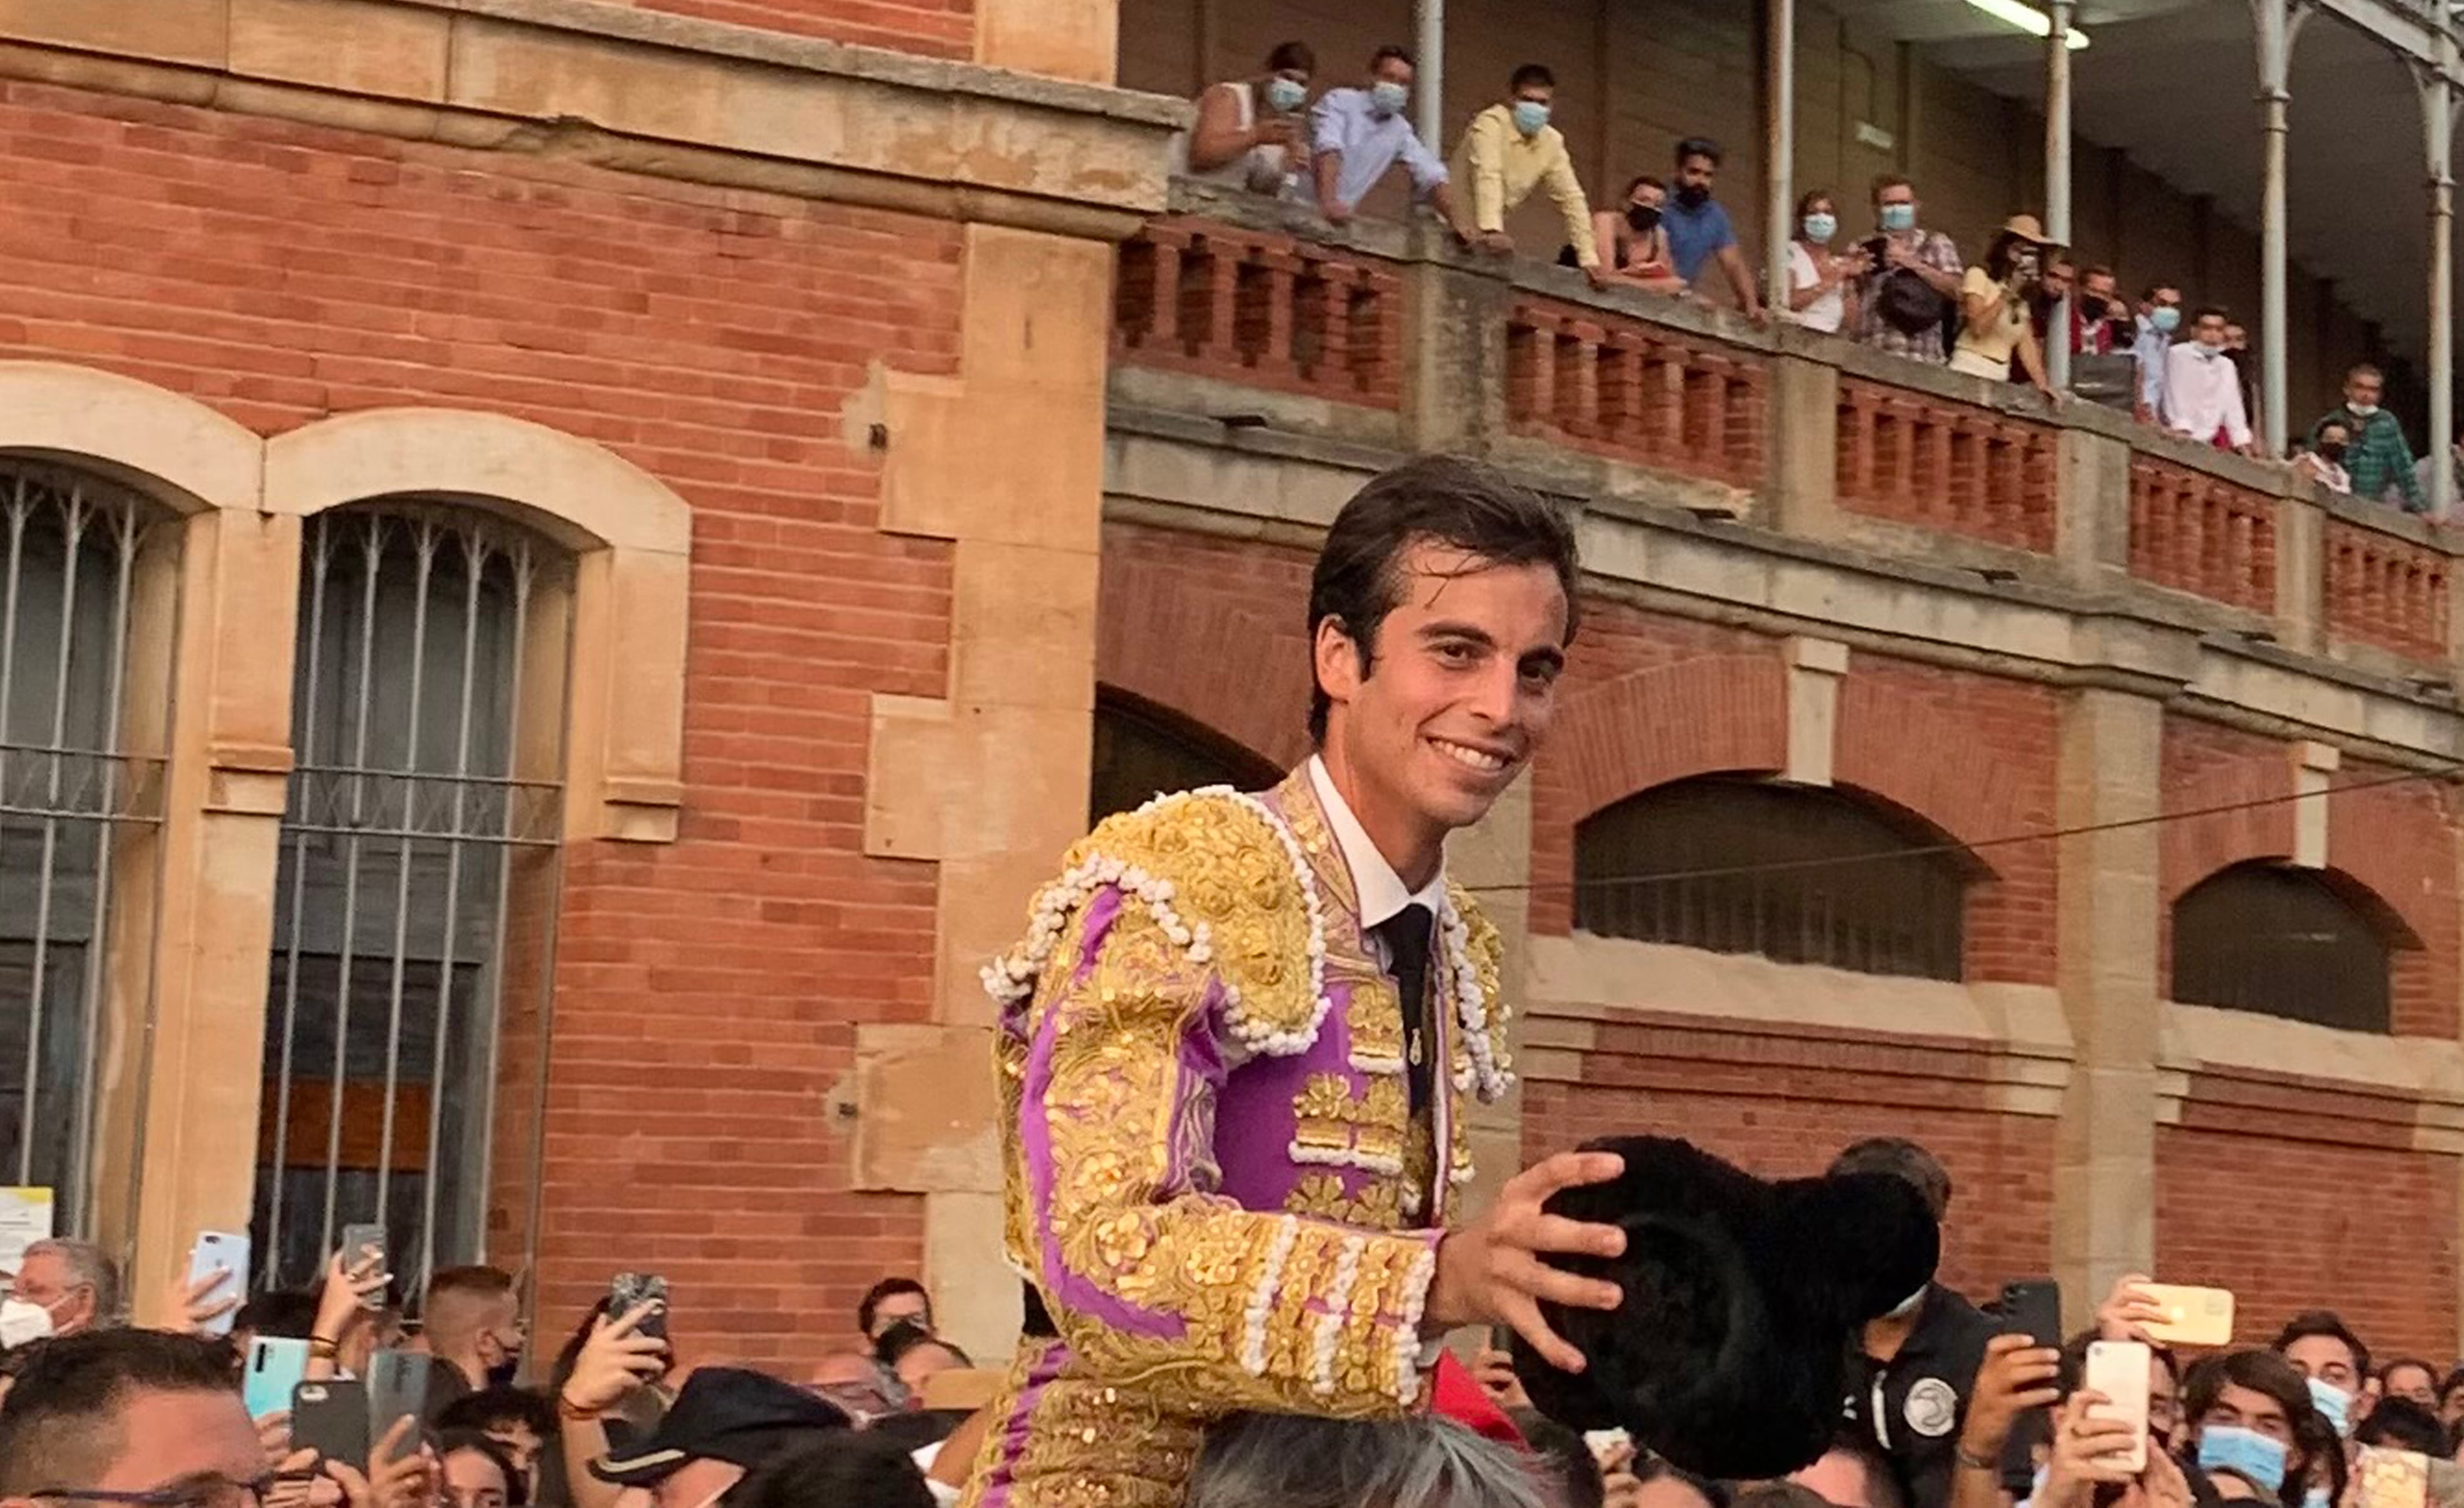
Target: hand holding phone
x=631, y=1291
x=331, y=1418
x=217, y=1282
x=364, y=1249
x=2118, y=1372
x=2393, y=1478
x=275, y=1367
x=2033, y=1309
x=2200, y=1316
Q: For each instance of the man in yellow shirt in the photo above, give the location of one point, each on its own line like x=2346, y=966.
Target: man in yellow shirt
x=1511, y=149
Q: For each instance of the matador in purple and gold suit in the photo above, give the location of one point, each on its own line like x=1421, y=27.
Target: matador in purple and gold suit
x=1218, y=1188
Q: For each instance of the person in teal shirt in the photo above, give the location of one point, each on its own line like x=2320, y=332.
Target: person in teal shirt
x=2377, y=457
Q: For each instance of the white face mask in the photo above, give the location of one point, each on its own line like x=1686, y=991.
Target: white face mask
x=22, y=1320
x=2362, y=410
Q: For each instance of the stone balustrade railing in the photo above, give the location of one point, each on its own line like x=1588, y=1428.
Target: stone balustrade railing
x=1390, y=336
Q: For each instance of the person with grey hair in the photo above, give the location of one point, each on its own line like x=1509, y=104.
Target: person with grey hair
x=1272, y=1460
x=74, y=1283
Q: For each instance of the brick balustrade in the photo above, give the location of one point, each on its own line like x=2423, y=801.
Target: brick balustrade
x=1634, y=391
x=1915, y=458
x=2202, y=535
x=2385, y=591
x=1262, y=309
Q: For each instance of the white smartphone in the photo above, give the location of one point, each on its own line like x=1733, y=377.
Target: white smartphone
x=220, y=1253
x=2118, y=1370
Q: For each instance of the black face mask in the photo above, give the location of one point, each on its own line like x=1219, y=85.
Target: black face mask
x=1694, y=196
x=2333, y=451
x=1643, y=218
x=2091, y=308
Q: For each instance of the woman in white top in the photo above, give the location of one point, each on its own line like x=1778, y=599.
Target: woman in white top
x=1822, y=284
x=1250, y=133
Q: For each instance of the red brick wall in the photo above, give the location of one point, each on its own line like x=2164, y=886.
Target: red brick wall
x=1976, y=757
x=934, y=28
x=1646, y=699
x=281, y=273
x=1782, y=1102
x=1211, y=628
x=2297, y=1198
x=2398, y=840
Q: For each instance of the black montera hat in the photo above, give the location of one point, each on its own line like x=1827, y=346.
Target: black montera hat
x=1743, y=1305
x=723, y=1414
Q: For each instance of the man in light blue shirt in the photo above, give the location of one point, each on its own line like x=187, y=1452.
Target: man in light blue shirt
x=2160, y=314
x=1357, y=134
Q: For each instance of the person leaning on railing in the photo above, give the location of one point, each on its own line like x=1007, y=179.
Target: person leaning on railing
x=1356, y=135
x=1632, y=242
x=1512, y=150
x=1250, y=133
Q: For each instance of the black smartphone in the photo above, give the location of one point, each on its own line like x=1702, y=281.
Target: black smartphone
x=363, y=1244
x=397, y=1386
x=2033, y=1308
x=331, y=1418
x=631, y=1291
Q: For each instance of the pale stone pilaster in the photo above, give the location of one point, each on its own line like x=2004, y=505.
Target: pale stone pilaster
x=2107, y=940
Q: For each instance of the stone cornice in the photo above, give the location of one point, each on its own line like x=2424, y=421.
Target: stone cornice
x=636, y=91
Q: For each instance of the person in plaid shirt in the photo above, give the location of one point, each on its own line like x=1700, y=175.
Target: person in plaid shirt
x=2379, y=459
x=1905, y=251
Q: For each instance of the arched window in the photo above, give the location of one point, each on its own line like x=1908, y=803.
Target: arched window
x=82, y=709
x=1740, y=865
x=2283, y=941
x=1141, y=751
x=416, y=814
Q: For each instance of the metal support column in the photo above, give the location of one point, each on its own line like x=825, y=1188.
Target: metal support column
x=1429, y=72
x=2058, y=182
x=2279, y=22
x=2438, y=102
x=1779, y=150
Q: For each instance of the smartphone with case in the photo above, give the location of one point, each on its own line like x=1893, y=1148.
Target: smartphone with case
x=360, y=1243
x=2393, y=1478
x=220, y=1253
x=276, y=1366
x=631, y=1291
x=396, y=1383
x=2033, y=1309
x=2118, y=1370
x=2201, y=1317
x=331, y=1418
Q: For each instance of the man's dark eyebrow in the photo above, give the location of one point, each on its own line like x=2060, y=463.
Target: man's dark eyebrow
x=1448, y=630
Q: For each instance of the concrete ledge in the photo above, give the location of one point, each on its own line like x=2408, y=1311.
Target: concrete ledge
x=636, y=91
x=2423, y=1077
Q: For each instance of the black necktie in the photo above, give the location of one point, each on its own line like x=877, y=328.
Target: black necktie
x=1406, y=935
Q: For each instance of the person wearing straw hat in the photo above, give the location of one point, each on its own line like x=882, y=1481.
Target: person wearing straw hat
x=1994, y=304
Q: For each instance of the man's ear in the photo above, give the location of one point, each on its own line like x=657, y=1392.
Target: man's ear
x=1338, y=659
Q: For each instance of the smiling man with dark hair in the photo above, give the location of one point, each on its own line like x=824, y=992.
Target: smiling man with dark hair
x=1240, y=1039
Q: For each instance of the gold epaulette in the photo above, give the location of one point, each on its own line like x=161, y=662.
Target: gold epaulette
x=1225, y=879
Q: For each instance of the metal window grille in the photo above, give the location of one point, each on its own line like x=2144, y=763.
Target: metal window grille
x=71, y=788
x=1797, y=874
x=2281, y=941
x=406, y=827
x=1143, y=752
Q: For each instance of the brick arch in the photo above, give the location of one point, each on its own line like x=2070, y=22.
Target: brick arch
x=2191, y=848
x=1700, y=716
x=1917, y=755
x=2395, y=841
x=1205, y=656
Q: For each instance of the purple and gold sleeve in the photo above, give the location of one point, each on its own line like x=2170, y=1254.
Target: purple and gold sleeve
x=1148, y=1271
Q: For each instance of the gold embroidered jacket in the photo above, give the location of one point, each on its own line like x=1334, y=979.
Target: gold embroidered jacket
x=1214, y=1181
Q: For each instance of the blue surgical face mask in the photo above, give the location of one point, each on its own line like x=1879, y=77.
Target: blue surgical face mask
x=2244, y=1452
x=1819, y=229
x=1388, y=97
x=1531, y=116
x=2335, y=1403
x=1898, y=217
x=2167, y=321
x=1284, y=95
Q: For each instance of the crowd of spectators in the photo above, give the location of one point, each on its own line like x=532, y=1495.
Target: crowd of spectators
x=1901, y=287
x=1947, y=1403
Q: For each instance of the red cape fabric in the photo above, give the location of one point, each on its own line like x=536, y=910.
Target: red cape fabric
x=1457, y=1394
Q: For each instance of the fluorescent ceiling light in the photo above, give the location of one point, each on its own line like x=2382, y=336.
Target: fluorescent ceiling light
x=2026, y=18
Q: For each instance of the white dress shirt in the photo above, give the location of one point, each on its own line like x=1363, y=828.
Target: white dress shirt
x=1382, y=890
x=2203, y=394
